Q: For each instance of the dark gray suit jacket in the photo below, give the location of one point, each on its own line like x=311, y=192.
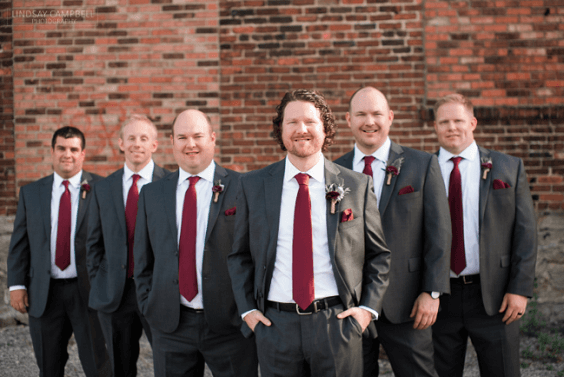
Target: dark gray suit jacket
x=360, y=257
x=508, y=232
x=417, y=229
x=106, y=244
x=29, y=258
x=156, y=256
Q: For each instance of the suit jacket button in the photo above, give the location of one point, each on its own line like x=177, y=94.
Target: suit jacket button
x=175, y=281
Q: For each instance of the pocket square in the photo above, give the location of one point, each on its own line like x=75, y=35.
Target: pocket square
x=231, y=211
x=347, y=215
x=406, y=190
x=499, y=184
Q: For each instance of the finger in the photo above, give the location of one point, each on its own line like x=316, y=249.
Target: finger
x=26, y=301
x=265, y=321
x=413, y=311
x=419, y=320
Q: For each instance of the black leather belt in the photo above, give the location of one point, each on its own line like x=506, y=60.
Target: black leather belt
x=64, y=281
x=466, y=279
x=314, y=307
x=190, y=310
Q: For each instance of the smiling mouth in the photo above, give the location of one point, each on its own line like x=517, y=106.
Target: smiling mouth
x=370, y=131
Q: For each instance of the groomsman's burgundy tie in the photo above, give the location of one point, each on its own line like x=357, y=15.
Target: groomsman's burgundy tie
x=457, y=254
x=187, y=245
x=130, y=219
x=368, y=165
x=62, y=253
x=302, y=246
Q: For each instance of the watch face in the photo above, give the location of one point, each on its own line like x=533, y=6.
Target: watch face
x=435, y=295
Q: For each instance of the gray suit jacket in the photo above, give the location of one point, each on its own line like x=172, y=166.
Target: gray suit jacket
x=29, y=258
x=417, y=229
x=508, y=232
x=156, y=256
x=106, y=244
x=360, y=257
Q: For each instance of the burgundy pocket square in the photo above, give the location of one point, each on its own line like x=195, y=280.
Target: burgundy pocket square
x=406, y=190
x=347, y=215
x=498, y=184
x=231, y=211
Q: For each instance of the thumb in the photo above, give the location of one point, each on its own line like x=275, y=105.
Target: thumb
x=344, y=314
x=503, y=304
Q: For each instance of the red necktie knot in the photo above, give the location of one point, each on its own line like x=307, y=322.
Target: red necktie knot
x=193, y=180
x=456, y=161
x=135, y=178
x=303, y=179
x=368, y=160
x=66, y=184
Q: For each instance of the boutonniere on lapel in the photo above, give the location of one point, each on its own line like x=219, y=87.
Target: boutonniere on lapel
x=85, y=188
x=335, y=194
x=217, y=189
x=486, y=166
x=394, y=169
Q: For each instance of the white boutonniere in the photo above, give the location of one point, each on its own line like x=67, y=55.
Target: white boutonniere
x=335, y=193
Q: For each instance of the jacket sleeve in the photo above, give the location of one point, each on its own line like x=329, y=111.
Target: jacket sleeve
x=19, y=252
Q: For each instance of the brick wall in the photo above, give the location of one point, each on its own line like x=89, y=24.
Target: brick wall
x=7, y=159
x=235, y=59
x=508, y=57
x=93, y=69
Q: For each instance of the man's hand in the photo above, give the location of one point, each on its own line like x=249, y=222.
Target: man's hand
x=19, y=300
x=425, y=311
x=514, y=307
x=255, y=317
x=362, y=316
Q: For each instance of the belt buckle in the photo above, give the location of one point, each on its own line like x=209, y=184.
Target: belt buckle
x=305, y=313
x=465, y=281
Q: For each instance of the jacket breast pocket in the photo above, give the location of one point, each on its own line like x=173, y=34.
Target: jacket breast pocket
x=349, y=224
x=410, y=196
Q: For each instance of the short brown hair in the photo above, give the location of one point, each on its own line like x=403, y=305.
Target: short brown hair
x=454, y=98
x=135, y=118
x=319, y=102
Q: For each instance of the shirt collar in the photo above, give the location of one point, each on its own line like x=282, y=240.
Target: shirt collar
x=146, y=172
x=469, y=153
x=206, y=174
x=317, y=172
x=381, y=153
x=74, y=181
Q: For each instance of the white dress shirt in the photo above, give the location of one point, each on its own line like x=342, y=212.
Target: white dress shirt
x=378, y=165
x=146, y=176
x=204, y=195
x=470, y=172
x=324, y=280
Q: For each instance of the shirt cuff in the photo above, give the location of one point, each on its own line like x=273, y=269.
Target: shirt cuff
x=17, y=287
x=373, y=312
x=245, y=314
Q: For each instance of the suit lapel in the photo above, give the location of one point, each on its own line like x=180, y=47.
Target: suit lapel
x=485, y=184
x=45, y=192
x=169, y=194
x=332, y=177
x=395, y=152
x=219, y=175
x=84, y=179
x=158, y=173
x=116, y=187
x=273, y=197
x=348, y=159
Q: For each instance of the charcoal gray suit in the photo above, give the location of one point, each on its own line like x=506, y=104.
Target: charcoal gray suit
x=357, y=250
x=418, y=232
x=157, y=277
x=29, y=264
x=112, y=294
x=507, y=251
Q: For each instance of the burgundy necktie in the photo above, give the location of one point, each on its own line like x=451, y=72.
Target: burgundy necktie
x=302, y=246
x=130, y=219
x=368, y=165
x=62, y=254
x=187, y=245
x=457, y=254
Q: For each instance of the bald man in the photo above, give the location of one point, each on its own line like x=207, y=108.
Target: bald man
x=183, y=235
x=415, y=216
